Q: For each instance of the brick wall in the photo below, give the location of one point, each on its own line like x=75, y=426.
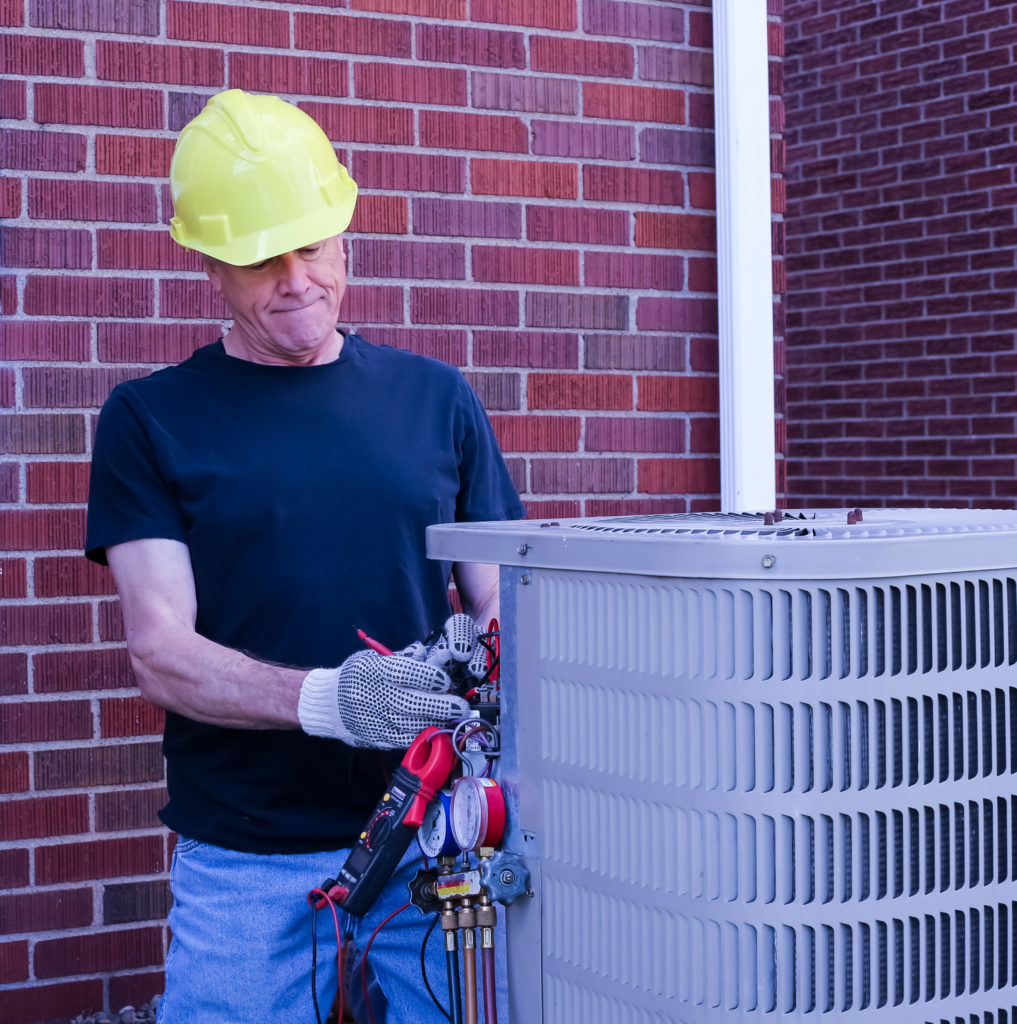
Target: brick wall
x=901, y=232
x=536, y=206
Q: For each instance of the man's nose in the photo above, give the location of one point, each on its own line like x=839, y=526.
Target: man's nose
x=293, y=272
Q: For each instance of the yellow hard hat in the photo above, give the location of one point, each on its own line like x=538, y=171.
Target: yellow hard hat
x=254, y=176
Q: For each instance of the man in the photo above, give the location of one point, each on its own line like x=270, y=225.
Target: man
x=257, y=504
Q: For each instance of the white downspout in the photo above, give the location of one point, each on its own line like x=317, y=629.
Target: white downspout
x=744, y=256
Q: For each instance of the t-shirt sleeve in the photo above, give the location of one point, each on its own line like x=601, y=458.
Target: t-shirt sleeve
x=128, y=495
x=486, y=491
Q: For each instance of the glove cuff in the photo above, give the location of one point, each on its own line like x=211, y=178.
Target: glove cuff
x=318, y=706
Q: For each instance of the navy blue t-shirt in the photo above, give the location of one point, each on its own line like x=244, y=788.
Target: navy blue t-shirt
x=302, y=494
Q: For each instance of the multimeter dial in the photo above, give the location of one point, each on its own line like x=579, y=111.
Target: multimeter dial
x=435, y=834
x=478, y=812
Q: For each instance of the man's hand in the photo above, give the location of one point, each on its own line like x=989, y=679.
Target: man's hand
x=375, y=700
x=458, y=650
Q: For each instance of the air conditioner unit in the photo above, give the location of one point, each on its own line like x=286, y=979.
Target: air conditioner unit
x=759, y=770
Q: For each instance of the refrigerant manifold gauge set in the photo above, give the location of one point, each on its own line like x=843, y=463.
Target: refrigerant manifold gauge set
x=445, y=796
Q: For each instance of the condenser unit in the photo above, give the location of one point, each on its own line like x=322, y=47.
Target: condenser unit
x=759, y=768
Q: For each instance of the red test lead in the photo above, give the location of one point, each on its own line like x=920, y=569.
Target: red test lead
x=373, y=644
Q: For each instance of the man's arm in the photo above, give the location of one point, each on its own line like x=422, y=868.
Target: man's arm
x=177, y=668
x=477, y=584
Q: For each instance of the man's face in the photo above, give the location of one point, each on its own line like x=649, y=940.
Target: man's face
x=286, y=308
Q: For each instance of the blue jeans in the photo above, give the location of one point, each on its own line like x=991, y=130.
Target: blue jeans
x=241, y=947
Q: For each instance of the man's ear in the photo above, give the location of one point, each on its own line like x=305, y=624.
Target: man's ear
x=211, y=268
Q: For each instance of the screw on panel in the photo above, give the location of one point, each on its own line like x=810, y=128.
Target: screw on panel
x=768, y=561
x=525, y=579
x=523, y=548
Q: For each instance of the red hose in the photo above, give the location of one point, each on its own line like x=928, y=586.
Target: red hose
x=487, y=968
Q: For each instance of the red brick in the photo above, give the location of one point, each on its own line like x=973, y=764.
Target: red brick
x=14, y=778
x=313, y=76
x=531, y=433
x=117, y=765
x=342, y=34
x=14, y=100
x=586, y=57
x=135, y=901
x=41, y=150
x=123, y=249
x=676, y=314
x=493, y=91
x=12, y=13
x=679, y=476
x=402, y=172
x=512, y=265
x=449, y=346
x=523, y=348
x=91, y=201
x=551, y=14
x=43, y=817
x=8, y=295
x=45, y=434
x=99, y=104
x=579, y=391
x=408, y=260
x=57, y=483
x=463, y=306
x=668, y=146
x=98, y=951
x=88, y=296
x=577, y=224
x=24, y=625
x=103, y=858
x=189, y=299
x=373, y=304
x=460, y=45
x=10, y=197
x=575, y=476
x=702, y=190
x=497, y=391
x=633, y=185
x=553, y=509
x=642, y=21
x=139, y=18
x=133, y=155
x=415, y=84
x=449, y=130
x=636, y=271
x=13, y=962
x=58, y=910
x=13, y=674
x=127, y=809
x=36, y=721
x=381, y=215
x=130, y=716
x=34, y=340
x=577, y=139
x=13, y=577
x=383, y=125
x=682, y=67
x=42, y=55
x=152, y=343
x=29, y=1004
x=224, y=23
x=524, y=178
x=676, y=231
x=633, y=103
x=138, y=988
x=702, y=275
x=51, y=249
x=145, y=62
x=71, y=576
x=451, y=217
x=577, y=310
x=635, y=434
x=635, y=506
x=92, y=669
x=446, y=10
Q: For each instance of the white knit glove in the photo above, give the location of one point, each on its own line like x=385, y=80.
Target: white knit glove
x=458, y=645
x=375, y=700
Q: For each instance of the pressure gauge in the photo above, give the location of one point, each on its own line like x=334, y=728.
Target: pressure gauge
x=435, y=834
x=478, y=812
